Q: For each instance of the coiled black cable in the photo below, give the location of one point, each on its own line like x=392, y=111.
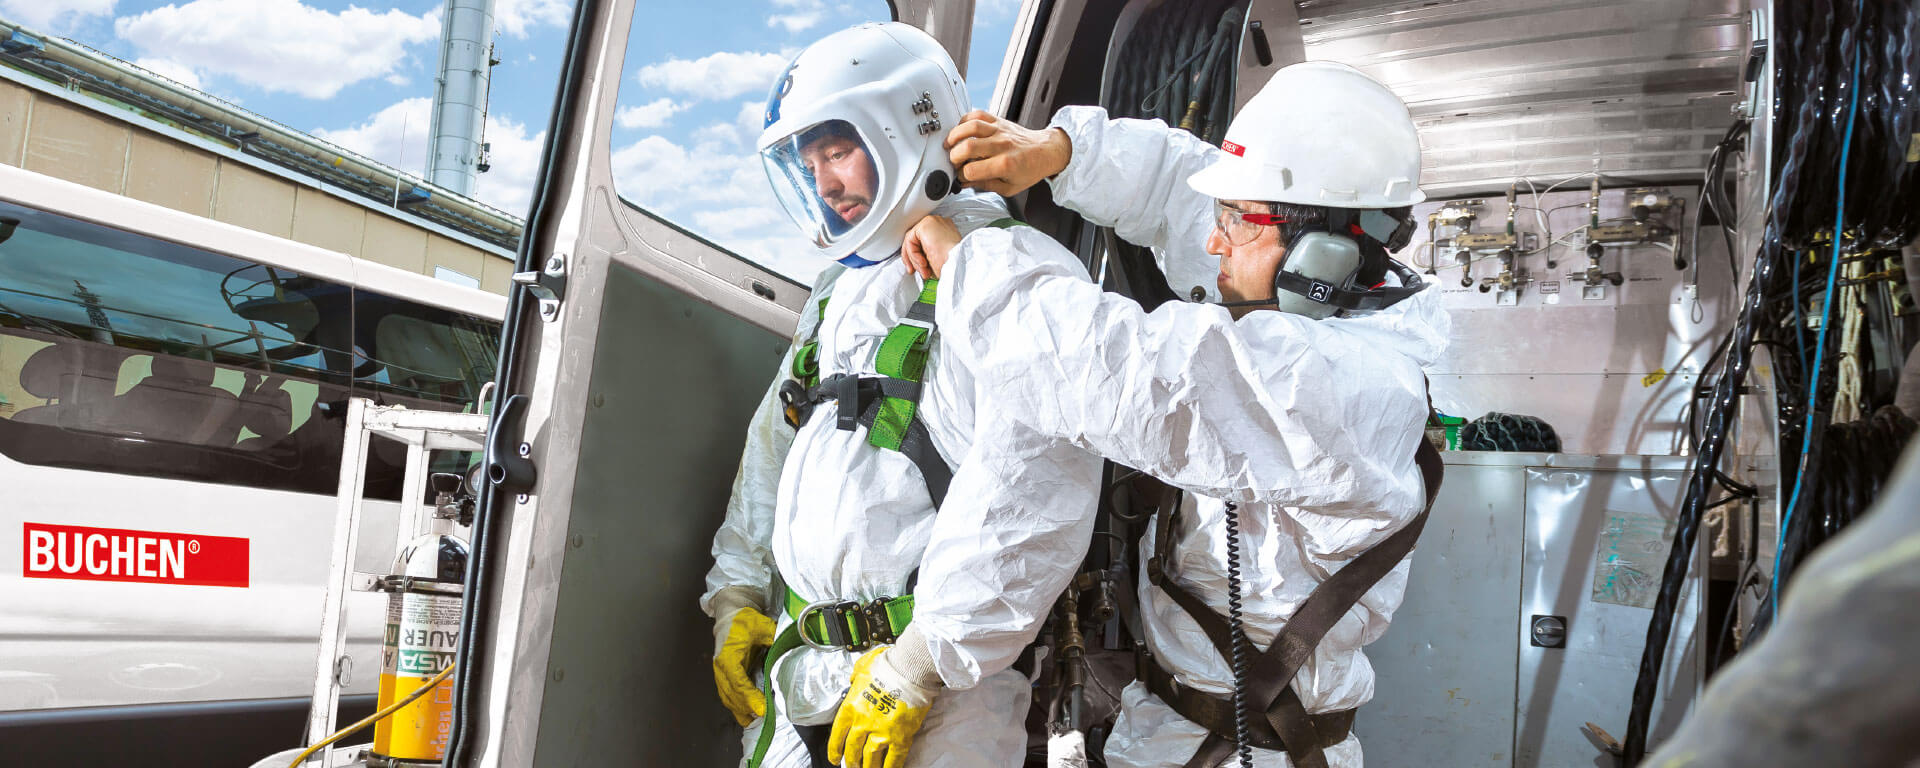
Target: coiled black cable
x=1242, y=653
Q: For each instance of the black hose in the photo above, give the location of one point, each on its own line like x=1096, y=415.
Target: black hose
x=1724, y=404
x=1818, y=100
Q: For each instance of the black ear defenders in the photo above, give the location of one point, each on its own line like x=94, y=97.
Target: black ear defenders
x=1320, y=274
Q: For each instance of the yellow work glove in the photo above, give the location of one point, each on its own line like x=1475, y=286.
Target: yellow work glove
x=739, y=634
x=883, y=711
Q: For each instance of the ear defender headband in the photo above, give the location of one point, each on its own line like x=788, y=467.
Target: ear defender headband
x=1322, y=268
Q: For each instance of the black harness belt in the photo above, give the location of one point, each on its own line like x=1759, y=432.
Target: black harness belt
x=1279, y=721
x=863, y=400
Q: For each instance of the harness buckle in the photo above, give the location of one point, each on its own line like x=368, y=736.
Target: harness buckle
x=879, y=628
x=833, y=621
x=869, y=626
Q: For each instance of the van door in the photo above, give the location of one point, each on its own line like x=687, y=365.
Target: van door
x=634, y=353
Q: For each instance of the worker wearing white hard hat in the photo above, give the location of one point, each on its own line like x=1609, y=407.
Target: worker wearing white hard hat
x=849, y=455
x=1294, y=433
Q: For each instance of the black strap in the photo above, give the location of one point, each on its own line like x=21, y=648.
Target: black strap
x=1215, y=712
x=1271, y=675
x=859, y=399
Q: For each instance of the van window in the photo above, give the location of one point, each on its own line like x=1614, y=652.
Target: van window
x=128, y=354
x=992, y=32
x=422, y=357
x=691, y=108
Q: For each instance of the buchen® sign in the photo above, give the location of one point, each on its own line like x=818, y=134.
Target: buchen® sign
x=113, y=554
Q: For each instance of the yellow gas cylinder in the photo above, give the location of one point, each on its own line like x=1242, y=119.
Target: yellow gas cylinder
x=423, y=627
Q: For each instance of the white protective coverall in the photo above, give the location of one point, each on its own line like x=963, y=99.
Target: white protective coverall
x=843, y=519
x=1309, y=426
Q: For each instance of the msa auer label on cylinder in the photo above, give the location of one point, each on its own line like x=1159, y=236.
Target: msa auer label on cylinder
x=113, y=554
x=429, y=630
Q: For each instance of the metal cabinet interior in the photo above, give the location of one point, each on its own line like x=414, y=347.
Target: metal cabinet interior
x=1460, y=679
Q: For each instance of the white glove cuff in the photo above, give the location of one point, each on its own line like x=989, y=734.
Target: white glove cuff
x=731, y=599
x=911, y=658
x=889, y=678
x=725, y=603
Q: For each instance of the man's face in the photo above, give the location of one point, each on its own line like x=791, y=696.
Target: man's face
x=843, y=175
x=1246, y=271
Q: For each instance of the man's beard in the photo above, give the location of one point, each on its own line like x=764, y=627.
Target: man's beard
x=864, y=206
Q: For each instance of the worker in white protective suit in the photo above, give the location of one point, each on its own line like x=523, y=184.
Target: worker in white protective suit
x=1300, y=426
x=850, y=452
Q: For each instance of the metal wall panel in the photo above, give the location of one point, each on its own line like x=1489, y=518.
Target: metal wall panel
x=629, y=679
x=495, y=275
x=329, y=222
x=67, y=143
x=77, y=138
x=1444, y=672
x=1547, y=88
x=458, y=257
x=248, y=198
x=165, y=173
x=393, y=243
x=1458, y=683
x=15, y=105
x=1596, y=543
x=1610, y=371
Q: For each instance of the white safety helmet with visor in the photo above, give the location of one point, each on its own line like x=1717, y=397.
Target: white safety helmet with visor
x=854, y=140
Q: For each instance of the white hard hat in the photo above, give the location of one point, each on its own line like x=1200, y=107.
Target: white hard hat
x=1319, y=133
x=855, y=138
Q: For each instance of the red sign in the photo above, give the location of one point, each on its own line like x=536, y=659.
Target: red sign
x=112, y=554
x=1233, y=149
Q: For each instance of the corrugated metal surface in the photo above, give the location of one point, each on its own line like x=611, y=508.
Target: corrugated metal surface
x=1546, y=88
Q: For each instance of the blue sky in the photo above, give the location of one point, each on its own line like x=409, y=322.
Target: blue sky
x=361, y=75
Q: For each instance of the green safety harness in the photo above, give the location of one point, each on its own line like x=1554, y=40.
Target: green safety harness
x=887, y=405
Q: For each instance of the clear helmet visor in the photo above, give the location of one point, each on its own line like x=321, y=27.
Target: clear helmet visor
x=825, y=178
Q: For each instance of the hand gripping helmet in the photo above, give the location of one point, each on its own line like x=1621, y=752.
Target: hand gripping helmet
x=1322, y=134
x=855, y=138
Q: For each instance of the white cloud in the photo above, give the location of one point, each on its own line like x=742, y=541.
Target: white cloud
x=397, y=136
x=743, y=132
x=279, y=45
x=516, y=164
x=795, y=22
x=52, y=15
x=513, y=18
x=653, y=114
x=172, y=70
x=721, y=75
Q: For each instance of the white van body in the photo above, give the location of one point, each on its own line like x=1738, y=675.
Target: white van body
x=191, y=575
